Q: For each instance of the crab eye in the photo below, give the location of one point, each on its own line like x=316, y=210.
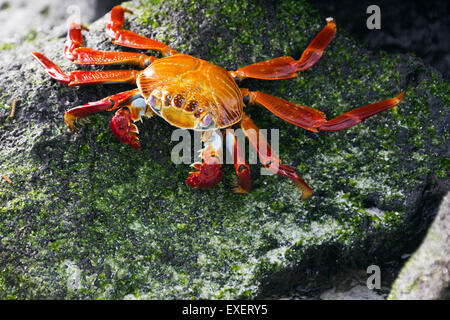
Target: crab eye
x=139, y=103
x=152, y=101
x=155, y=104
x=207, y=122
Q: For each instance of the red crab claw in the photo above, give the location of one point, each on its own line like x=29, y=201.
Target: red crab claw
x=123, y=129
x=207, y=176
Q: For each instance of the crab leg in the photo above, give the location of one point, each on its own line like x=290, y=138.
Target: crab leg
x=209, y=173
x=269, y=159
x=78, y=54
x=313, y=120
x=130, y=39
x=121, y=123
x=240, y=165
x=355, y=116
x=77, y=78
x=287, y=67
x=108, y=103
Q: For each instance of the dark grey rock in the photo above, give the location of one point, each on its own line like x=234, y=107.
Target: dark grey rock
x=426, y=275
x=87, y=217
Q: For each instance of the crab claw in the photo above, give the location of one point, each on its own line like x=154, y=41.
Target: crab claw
x=207, y=176
x=123, y=129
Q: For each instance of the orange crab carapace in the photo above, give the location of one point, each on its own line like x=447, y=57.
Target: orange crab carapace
x=192, y=93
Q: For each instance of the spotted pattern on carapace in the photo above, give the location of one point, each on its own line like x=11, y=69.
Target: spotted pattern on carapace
x=178, y=101
x=191, y=106
x=167, y=100
x=215, y=91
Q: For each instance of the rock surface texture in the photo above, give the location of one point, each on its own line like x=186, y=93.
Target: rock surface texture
x=23, y=20
x=426, y=275
x=87, y=217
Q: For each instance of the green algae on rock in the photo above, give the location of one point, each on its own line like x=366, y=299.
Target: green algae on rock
x=88, y=217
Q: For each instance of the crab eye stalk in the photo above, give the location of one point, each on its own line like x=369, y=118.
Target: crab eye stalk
x=152, y=101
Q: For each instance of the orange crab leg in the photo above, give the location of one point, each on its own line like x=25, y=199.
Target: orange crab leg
x=355, y=116
x=77, y=78
x=240, y=165
x=305, y=117
x=313, y=120
x=108, y=103
x=78, y=54
x=287, y=67
x=121, y=123
x=269, y=159
x=130, y=39
x=74, y=40
x=91, y=56
x=52, y=69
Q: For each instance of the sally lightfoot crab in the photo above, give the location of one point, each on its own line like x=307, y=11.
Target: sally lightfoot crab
x=191, y=93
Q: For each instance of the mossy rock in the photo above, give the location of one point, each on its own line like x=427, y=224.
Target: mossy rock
x=89, y=217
